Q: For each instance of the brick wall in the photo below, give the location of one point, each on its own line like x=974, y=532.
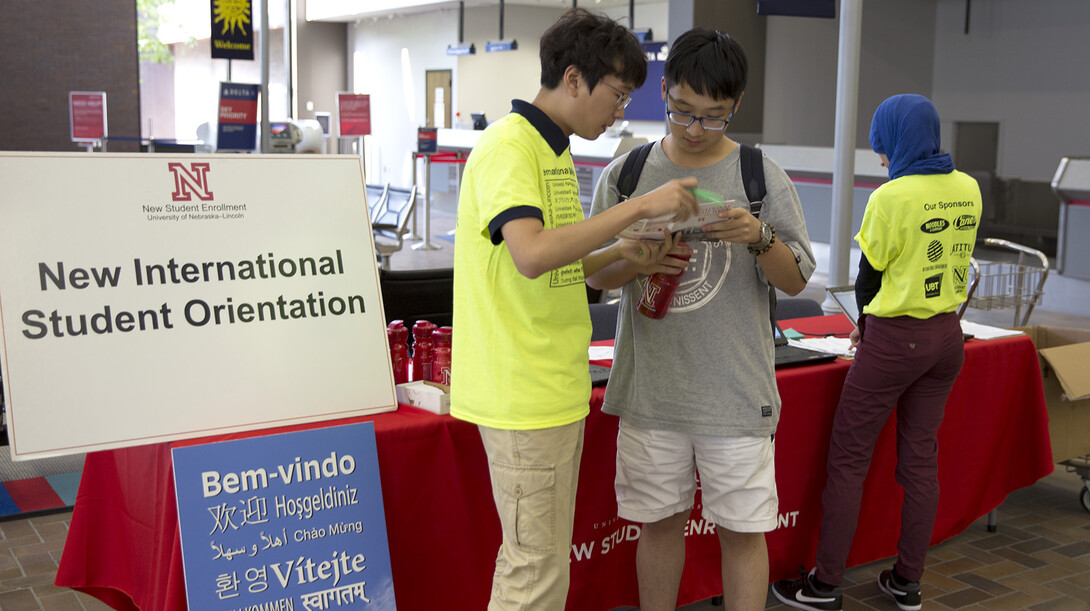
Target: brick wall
x=51, y=47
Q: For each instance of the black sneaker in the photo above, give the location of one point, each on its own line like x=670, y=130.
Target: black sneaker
x=905, y=593
x=803, y=593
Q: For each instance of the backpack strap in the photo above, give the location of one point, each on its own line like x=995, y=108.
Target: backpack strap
x=753, y=177
x=630, y=170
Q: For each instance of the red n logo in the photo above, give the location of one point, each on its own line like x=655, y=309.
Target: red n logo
x=190, y=182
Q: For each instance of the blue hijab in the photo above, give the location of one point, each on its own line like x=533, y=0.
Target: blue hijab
x=905, y=129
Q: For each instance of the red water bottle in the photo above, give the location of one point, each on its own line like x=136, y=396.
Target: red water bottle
x=659, y=290
x=398, y=336
x=422, y=350
x=440, y=347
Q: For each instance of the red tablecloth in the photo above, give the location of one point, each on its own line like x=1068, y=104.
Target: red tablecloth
x=123, y=545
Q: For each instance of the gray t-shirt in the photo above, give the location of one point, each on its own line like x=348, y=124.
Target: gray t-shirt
x=707, y=367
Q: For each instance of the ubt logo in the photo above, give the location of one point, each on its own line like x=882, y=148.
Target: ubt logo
x=932, y=286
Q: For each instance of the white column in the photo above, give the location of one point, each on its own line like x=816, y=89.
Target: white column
x=847, y=105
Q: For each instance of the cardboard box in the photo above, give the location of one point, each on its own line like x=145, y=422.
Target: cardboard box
x=426, y=395
x=1065, y=372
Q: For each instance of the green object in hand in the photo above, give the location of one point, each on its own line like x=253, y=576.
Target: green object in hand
x=708, y=196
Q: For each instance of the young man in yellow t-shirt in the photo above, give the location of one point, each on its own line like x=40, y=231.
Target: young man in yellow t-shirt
x=522, y=249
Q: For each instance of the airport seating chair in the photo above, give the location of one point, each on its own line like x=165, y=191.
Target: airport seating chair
x=603, y=320
x=376, y=198
x=418, y=294
x=390, y=222
x=797, y=307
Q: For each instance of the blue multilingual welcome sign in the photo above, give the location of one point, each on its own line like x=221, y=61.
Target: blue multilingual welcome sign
x=290, y=521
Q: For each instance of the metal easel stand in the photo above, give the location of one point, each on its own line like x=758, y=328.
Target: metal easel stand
x=345, y=144
x=90, y=146
x=363, y=157
x=426, y=244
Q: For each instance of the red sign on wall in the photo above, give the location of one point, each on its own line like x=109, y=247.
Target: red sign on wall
x=87, y=115
x=354, y=114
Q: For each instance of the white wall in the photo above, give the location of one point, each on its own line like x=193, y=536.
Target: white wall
x=1025, y=65
x=485, y=82
x=395, y=82
x=801, y=69
x=489, y=81
x=321, y=66
x=1022, y=64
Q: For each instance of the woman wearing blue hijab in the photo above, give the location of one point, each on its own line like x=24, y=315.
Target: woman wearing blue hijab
x=917, y=237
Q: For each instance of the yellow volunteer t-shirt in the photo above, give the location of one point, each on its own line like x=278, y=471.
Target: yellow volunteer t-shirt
x=519, y=359
x=919, y=230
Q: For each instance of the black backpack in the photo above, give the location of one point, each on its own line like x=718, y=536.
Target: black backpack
x=753, y=177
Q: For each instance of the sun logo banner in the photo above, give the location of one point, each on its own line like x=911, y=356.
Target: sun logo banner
x=232, y=31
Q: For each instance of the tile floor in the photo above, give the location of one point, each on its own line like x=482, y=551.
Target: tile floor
x=1039, y=559
x=29, y=552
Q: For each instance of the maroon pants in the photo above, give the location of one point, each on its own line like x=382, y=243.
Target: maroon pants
x=900, y=361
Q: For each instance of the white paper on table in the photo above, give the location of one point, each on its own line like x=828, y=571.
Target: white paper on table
x=980, y=331
x=600, y=353
x=840, y=346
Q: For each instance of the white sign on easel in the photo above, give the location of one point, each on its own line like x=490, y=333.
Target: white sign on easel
x=145, y=298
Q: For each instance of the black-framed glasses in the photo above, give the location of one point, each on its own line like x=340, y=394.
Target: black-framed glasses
x=684, y=119
x=623, y=99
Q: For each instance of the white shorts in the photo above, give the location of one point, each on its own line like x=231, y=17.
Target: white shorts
x=657, y=478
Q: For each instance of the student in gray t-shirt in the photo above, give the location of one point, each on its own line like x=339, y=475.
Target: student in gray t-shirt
x=697, y=388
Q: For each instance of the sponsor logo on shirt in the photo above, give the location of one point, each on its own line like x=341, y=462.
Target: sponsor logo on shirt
x=932, y=286
x=934, y=251
x=965, y=222
x=961, y=277
x=934, y=225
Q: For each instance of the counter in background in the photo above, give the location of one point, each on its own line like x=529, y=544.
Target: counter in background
x=811, y=169
x=590, y=156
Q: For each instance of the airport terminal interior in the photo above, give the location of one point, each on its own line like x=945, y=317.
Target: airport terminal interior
x=1037, y=556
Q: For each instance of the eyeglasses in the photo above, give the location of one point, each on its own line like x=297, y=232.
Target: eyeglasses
x=685, y=119
x=623, y=99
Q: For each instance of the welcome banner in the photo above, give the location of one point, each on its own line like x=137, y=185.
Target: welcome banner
x=232, y=29
x=290, y=521
x=145, y=298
